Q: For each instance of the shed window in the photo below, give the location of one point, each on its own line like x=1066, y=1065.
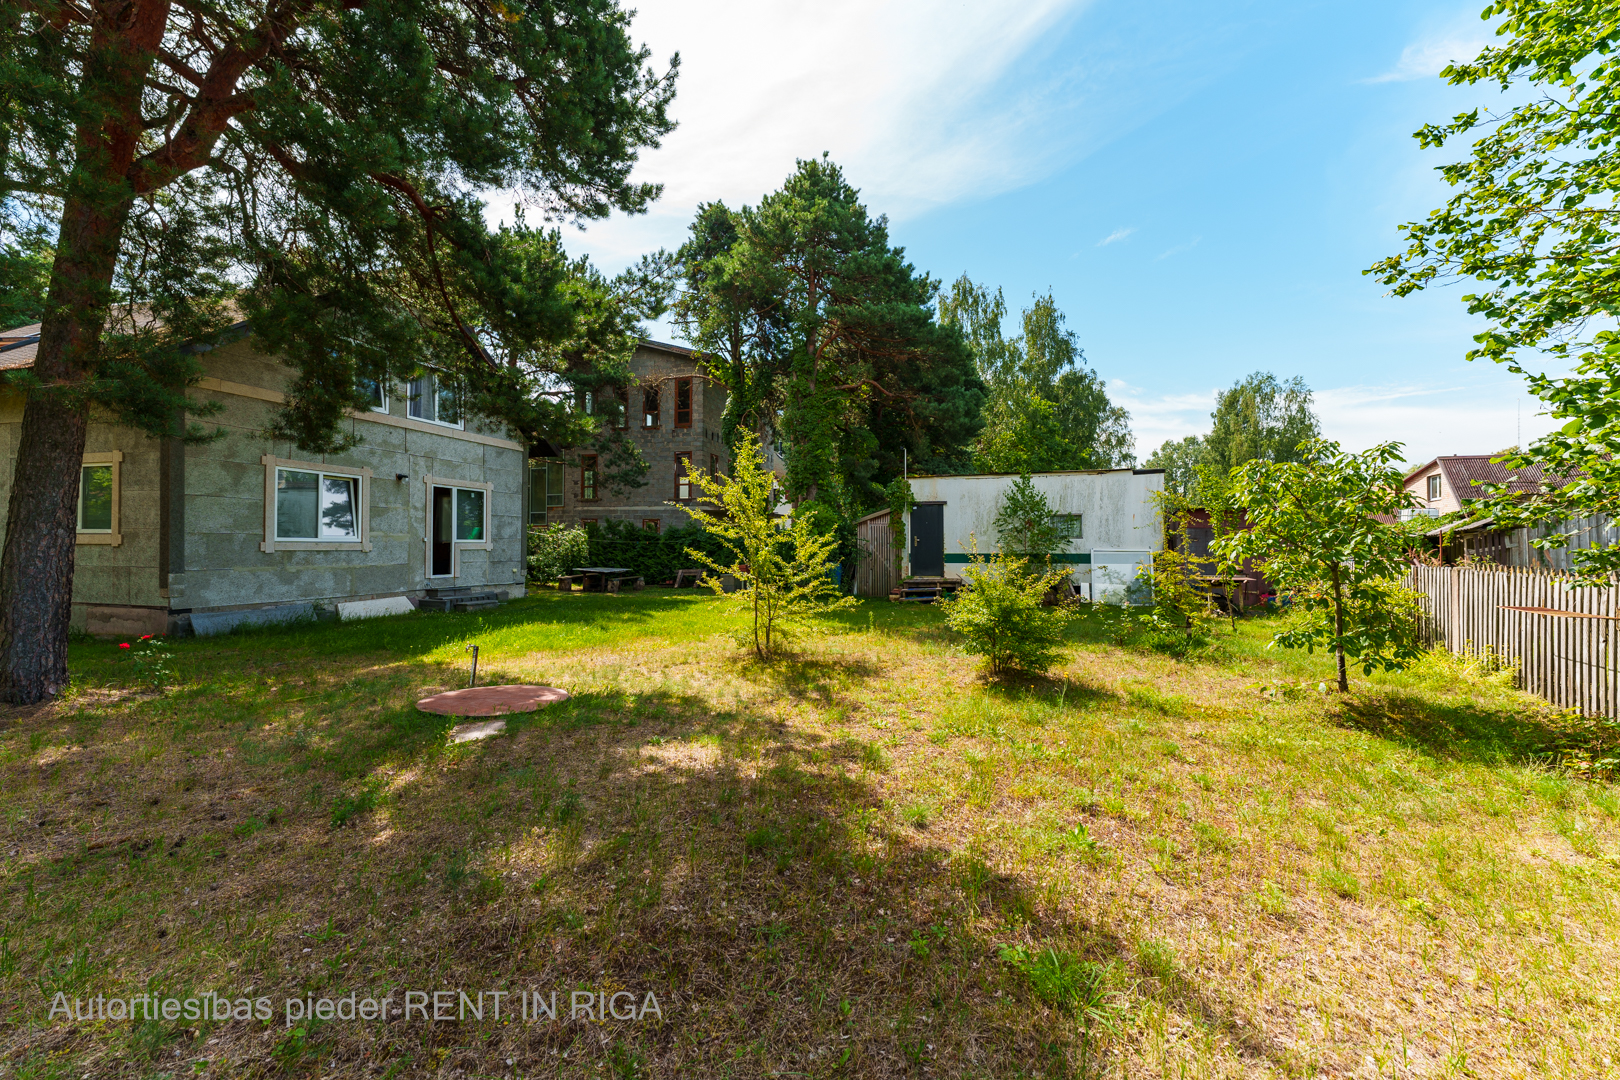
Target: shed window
x=683, y=402
x=1434, y=487
x=1069, y=526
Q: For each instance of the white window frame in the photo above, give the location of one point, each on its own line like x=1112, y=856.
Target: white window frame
x=1435, y=488
x=271, y=544
x=112, y=537
x=411, y=400
x=382, y=384
x=456, y=546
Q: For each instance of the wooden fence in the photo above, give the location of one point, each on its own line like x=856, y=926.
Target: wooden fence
x=1563, y=639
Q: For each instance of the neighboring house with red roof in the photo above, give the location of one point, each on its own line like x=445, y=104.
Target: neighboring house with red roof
x=247, y=528
x=1448, y=483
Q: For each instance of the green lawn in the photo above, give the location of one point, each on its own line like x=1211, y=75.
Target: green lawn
x=861, y=861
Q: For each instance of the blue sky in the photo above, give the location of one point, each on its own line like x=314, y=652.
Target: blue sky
x=1199, y=185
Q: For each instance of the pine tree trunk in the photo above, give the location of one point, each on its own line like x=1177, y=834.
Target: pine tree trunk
x=36, y=568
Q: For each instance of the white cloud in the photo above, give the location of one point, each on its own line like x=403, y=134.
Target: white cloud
x=920, y=105
x=1179, y=248
x=1115, y=237
x=923, y=104
x=1426, y=59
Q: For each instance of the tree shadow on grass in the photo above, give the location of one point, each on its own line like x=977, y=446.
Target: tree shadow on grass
x=806, y=676
x=1058, y=690
x=750, y=874
x=1463, y=730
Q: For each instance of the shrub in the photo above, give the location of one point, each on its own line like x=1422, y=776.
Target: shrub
x=1002, y=616
x=654, y=556
x=556, y=549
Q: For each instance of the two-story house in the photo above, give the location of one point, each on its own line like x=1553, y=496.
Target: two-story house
x=247, y=528
x=672, y=414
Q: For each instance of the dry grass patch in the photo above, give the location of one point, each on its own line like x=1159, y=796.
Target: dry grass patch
x=861, y=861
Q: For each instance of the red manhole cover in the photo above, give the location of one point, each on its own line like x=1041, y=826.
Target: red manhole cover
x=491, y=700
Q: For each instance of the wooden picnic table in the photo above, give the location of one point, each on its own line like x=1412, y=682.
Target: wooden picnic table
x=598, y=578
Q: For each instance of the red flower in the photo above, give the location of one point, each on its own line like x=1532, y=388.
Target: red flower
x=123, y=644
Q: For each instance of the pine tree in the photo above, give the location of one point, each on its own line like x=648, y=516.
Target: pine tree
x=846, y=360
x=320, y=165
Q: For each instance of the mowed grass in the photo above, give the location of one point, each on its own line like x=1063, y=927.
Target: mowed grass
x=859, y=861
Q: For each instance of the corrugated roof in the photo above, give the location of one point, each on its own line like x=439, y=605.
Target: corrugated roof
x=1467, y=473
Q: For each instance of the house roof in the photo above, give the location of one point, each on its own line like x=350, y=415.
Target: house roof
x=18, y=346
x=1465, y=473
x=664, y=346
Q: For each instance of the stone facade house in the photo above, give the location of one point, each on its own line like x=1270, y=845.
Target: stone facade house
x=672, y=414
x=175, y=538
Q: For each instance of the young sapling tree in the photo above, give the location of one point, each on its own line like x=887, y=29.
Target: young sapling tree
x=1027, y=525
x=1314, y=530
x=782, y=565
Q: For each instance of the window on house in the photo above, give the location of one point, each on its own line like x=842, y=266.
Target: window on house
x=545, y=490
x=375, y=393
x=470, y=514
x=683, y=402
x=587, y=402
x=649, y=407
x=434, y=399
x=587, y=523
x=587, y=477
x=621, y=413
x=683, y=479
x=317, y=506
x=96, y=499
x=650, y=524
x=1069, y=526
x=1434, y=487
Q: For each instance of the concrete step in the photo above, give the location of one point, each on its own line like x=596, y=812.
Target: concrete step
x=465, y=600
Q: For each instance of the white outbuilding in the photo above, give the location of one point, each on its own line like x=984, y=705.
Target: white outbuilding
x=1110, y=517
